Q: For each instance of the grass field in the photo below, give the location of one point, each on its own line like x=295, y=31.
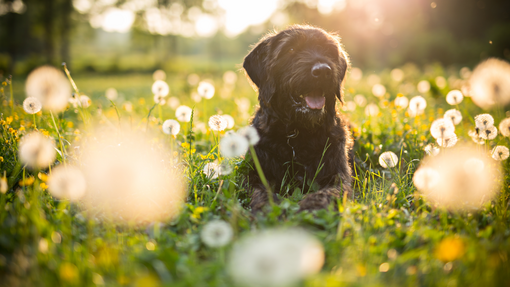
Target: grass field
x=388, y=234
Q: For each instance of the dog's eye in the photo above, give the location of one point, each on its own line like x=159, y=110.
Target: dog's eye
x=291, y=50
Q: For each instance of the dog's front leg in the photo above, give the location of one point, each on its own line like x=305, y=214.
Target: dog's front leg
x=322, y=198
x=260, y=198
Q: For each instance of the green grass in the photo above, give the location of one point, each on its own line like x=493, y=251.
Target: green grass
x=387, y=224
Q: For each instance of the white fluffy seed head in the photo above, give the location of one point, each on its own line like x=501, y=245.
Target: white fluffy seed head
x=250, y=133
x=67, y=182
x=371, y=110
x=388, y=159
x=484, y=121
x=205, y=90
x=85, y=101
x=32, y=105
x=442, y=128
x=401, y=102
x=183, y=113
x=449, y=141
x=504, y=127
x=453, y=115
x=489, y=133
x=230, y=121
x=36, y=150
x=217, y=233
x=454, y=97
x=233, y=145
x=218, y=123
x=160, y=88
x=500, y=152
x=360, y=100
x=50, y=86
x=417, y=104
x=111, y=94
x=171, y=127
x=490, y=84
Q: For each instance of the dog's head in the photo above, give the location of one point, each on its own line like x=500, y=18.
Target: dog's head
x=299, y=73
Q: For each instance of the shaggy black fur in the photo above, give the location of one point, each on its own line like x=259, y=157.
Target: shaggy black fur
x=301, y=137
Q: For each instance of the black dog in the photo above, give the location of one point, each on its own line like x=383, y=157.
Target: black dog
x=299, y=73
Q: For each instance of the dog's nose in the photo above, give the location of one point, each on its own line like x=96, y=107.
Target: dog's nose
x=321, y=70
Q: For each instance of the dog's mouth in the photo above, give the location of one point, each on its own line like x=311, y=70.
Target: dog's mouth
x=315, y=100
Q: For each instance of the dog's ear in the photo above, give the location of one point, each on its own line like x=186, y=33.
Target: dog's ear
x=344, y=65
x=256, y=64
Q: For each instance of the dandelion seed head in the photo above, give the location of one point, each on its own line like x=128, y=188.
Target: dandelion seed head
x=250, y=133
x=67, y=182
x=159, y=75
x=275, y=258
x=388, y=159
x=468, y=179
x=217, y=233
x=159, y=99
x=173, y=102
x=453, y=115
x=218, y=123
x=183, y=113
x=193, y=79
x=349, y=106
x=230, y=78
x=401, y=102
x=431, y=150
x=36, y=150
x=489, y=133
x=417, y=104
x=442, y=128
x=423, y=87
x=127, y=180
x=371, y=110
x=32, y=105
x=448, y=141
x=211, y=170
x=426, y=178
x=475, y=136
x=171, y=127
x=50, y=87
x=490, y=84
x=111, y=94
x=205, y=90
x=484, y=121
x=356, y=74
x=160, y=88
x=378, y=90
x=500, y=152
x=233, y=145
x=504, y=127
x=454, y=97
x=85, y=101
x=441, y=82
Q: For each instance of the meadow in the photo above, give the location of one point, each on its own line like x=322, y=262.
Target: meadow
x=390, y=233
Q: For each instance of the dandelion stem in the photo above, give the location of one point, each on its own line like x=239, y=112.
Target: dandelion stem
x=160, y=113
x=35, y=123
x=148, y=116
x=116, y=110
x=59, y=136
x=70, y=78
x=12, y=95
x=261, y=174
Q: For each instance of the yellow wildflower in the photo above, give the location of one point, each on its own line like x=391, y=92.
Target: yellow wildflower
x=42, y=176
x=141, y=101
x=76, y=131
x=70, y=125
x=68, y=272
x=43, y=186
x=1, y=159
x=27, y=181
x=8, y=120
x=450, y=249
x=45, y=132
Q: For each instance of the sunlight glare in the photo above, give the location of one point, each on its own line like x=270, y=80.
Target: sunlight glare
x=239, y=15
x=117, y=20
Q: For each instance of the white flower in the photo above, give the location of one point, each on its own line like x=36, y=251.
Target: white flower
x=159, y=75
x=67, y=182
x=453, y=115
x=128, y=107
x=205, y=90
x=217, y=233
x=217, y=123
x=250, y=133
x=211, y=170
x=230, y=78
x=397, y=75
x=360, y=100
x=401, y=102
x=441, y=82
x=431, y=150
x=371, y=110
x=37, y=150
x=489, y=133
x=173, y=102
x=388, y=159
x=454, y=97
x=378, y=90
x=490, y=84
x=32, y=105
x=447, y=141
x=233, y=145
x=50, y=87
x=159, y=99
x=423, y=86
x=111, y=94
x=417, y=104
x=193, y=79
x=504, y=127
x=85, y=101
x=484, y=121
x=230, y=121
x=160, y=88
x=442, y=128
x=500, y=152
x=171, y=127
x=183, y=113
x=275, y=258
